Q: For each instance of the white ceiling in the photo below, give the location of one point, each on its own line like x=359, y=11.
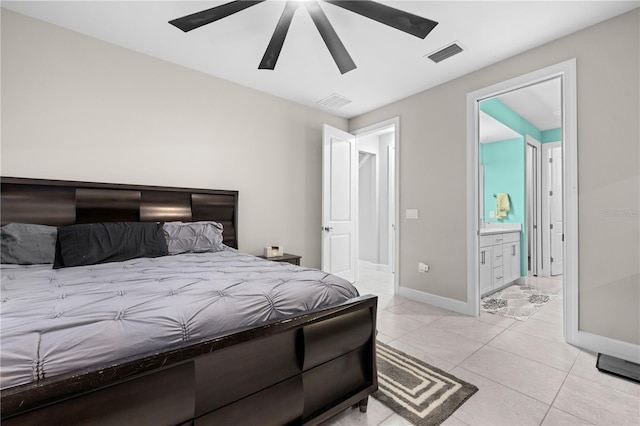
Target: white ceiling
x=491, y=130
x=391, y=64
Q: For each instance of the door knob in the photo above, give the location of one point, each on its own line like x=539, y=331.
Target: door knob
x=327, y=228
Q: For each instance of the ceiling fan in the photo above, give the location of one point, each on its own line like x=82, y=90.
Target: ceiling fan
x=398, y=19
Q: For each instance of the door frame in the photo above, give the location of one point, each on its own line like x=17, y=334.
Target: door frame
x=539, y=259
x=395, y=122
x=567, y=72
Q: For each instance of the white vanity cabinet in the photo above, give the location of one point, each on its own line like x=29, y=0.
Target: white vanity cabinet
x=499, y=260
x=511, y=257
x=486, y=269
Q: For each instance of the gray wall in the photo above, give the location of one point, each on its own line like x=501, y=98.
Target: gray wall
x=432, y=173
x=77, y=108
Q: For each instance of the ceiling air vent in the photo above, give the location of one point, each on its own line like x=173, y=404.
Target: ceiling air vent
x=334, y=101
x=445, y=53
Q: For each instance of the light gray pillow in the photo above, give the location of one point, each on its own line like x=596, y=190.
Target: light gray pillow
x=28, y=244
x=193, y=237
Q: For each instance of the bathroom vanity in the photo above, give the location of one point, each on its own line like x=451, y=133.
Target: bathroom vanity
x=499, y=256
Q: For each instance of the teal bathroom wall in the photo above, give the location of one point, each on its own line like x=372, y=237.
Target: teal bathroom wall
x=504, y=171
x=551, y=135
x=496, y=109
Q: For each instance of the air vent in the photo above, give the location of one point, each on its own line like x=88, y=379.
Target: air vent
x=334, y=101
x=447, y=52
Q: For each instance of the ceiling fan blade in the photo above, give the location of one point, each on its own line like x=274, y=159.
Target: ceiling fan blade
x=277, y=39
x=196, y=20
x=396, y=18
x=331, y=39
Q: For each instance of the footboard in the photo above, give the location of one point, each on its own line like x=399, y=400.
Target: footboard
x=300, y=370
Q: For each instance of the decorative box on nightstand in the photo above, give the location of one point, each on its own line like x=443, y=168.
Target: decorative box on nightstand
x=287, y=257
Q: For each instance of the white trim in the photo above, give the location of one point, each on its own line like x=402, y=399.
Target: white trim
x=433, y=299
x=395, y=122
x=473, y=207
x=567, y=72
x=570, y=202
x=606, y=345
x=530, y=140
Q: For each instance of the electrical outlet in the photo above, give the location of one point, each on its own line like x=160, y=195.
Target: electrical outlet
x=411, y=214
x=492, y=214
x=423, y=267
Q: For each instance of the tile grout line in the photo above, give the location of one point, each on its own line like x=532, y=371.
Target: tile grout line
x=531, y=359
x=558, y=392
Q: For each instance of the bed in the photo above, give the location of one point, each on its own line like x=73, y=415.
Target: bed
x=282, y=359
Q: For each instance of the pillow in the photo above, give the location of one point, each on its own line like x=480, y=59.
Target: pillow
x=27, y=244
x=92, y=243
x=193, y=237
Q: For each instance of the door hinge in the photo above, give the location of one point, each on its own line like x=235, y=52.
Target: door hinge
x=550, y=193
x=551, y=226
x=551, y=159
x=552, y=260
x=563, y=238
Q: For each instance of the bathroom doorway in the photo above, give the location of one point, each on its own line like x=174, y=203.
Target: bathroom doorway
x=526, y=153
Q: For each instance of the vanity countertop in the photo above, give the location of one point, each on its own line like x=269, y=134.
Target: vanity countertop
x=500, y=228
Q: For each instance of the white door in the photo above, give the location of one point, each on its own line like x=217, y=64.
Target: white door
x=339, y=168
x=555, y=207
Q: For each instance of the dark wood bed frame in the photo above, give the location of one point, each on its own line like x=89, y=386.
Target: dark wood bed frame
x=301, y=370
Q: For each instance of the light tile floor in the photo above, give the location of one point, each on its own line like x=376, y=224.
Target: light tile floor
x=525, y=373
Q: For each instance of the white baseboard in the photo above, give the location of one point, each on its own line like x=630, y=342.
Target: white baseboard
x=432, y=299
x=608, y=346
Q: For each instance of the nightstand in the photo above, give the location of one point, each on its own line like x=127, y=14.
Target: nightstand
x=287, y=257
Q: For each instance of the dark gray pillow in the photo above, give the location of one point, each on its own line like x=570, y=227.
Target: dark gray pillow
x=93, y=243
x=193, y=237
x=28, y=244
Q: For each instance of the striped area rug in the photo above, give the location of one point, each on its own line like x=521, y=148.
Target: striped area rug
x=420, y=393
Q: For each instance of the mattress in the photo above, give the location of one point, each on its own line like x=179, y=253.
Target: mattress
x=57, y=321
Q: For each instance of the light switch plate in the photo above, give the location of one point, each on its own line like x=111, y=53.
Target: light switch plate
x=411, y=214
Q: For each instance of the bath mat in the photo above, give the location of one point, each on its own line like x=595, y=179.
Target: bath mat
x=420, y=393
x=516, y=301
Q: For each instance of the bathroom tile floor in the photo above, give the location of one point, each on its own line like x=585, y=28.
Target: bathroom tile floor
x=525, y=373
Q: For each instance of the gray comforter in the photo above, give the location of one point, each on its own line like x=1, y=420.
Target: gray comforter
x=67, y=320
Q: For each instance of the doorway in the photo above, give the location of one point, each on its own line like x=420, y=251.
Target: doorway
x=376, y=199
x=532, y=115
x=368, y=207
x=564, y=75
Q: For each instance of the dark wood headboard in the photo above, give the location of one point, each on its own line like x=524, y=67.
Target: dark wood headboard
x=59, y=203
